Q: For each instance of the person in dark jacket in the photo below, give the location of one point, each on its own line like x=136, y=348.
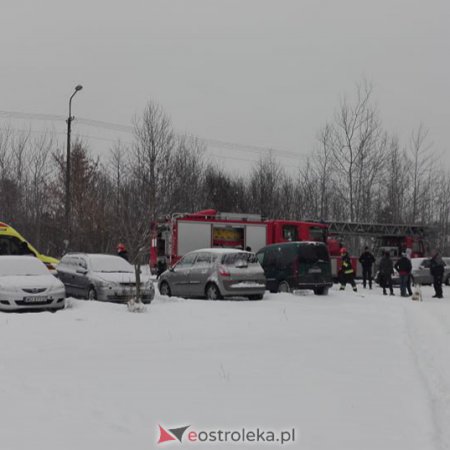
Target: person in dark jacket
x=346, y=273
x=437, y=272
x=122, y=251
x=367, y=259
x=403, y=267
x=386, y=269
x=161, y=267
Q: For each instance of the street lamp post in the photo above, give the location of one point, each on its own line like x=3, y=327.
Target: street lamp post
x=69, y=129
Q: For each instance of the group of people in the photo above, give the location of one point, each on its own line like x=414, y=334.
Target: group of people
x=347, y=273
x=385, y=271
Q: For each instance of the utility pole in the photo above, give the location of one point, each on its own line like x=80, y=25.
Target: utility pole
x=67, y=199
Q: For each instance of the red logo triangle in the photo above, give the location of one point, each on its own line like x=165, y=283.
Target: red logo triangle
x=164, y=436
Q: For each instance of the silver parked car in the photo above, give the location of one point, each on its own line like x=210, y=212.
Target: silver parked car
x=421, y=271
x=102, y=277
x=27, y=284
x=215, y=273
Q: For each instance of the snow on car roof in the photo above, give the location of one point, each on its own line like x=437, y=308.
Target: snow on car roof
x=20, y=265
x=297, y=242
x=220, y=250
x=92, y=254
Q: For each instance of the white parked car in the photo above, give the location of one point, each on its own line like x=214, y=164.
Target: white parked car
x=102, y=277
x=26, y=284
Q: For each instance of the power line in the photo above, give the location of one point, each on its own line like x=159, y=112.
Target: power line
x=129, y=129
x=211, y=154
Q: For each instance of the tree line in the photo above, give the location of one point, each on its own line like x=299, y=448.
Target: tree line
x=356, y=171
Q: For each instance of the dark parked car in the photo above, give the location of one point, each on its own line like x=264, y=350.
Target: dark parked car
x=215, y=273
x=297, y=265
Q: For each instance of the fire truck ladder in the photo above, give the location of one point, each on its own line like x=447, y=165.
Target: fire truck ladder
x=378, y=229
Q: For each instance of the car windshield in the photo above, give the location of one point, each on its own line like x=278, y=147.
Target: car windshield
x=231, y=258
x=24, y=265
x=110, y=263
x=416, y=262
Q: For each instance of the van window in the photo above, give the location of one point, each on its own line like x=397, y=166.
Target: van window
x=260, y=257
x=312, y=253
x=287, y=256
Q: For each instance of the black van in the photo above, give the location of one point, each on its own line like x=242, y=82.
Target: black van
x=296, y=265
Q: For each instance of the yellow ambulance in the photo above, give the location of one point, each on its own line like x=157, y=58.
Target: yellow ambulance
x=13, y=243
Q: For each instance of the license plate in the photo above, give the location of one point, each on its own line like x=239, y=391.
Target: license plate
x=315, y=270
x=35, y=299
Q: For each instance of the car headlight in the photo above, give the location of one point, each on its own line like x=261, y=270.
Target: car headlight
x=104, y=283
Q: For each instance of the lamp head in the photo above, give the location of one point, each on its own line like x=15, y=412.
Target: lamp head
x=78, y=87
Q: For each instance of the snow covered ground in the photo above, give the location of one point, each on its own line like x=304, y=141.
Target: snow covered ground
x=347, y=371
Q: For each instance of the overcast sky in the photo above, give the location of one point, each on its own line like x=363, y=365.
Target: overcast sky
x=254, y=72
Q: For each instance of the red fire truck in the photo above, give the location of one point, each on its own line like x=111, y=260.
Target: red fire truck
x=182, y=233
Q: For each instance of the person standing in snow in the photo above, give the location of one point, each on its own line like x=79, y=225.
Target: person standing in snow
x=346, y=272
x=408, y=252
x=403, y=267
x=161, y=267
x=367, y=259
x=122, y=251
x=437, y=272
x=386, y=269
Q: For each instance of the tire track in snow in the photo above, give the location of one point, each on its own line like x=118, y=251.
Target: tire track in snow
x=428, y=332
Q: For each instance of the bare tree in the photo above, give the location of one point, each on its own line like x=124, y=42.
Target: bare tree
x=153, y=147
x=264, y=185
x=422, y=160
x=357, y=145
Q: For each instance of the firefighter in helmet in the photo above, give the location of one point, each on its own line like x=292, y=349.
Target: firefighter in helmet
x=122, y=251
x=346, y=272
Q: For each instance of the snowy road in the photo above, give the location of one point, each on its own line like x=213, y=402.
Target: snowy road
x=347, y=371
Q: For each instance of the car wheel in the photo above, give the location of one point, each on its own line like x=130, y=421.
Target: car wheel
x=212, y=292
x=321, y=291
x=256, y=297
x=164, y=289
x=92, y=293
x=283, y=286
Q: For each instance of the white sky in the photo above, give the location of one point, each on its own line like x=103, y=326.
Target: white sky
x=255, y=72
